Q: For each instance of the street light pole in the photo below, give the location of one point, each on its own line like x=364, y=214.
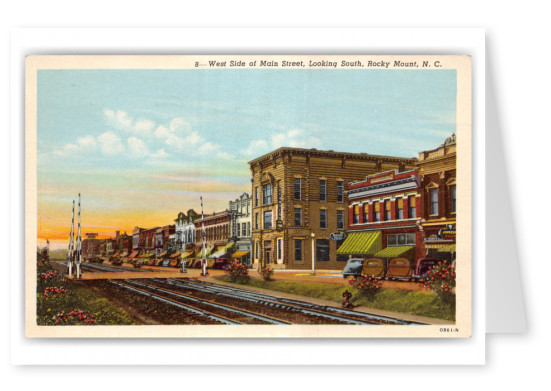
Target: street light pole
x=313, y=255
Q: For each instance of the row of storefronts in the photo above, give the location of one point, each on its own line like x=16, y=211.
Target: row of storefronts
x=313, y=209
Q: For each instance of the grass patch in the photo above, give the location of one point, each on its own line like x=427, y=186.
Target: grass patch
x=414, y=303
x=81, y=298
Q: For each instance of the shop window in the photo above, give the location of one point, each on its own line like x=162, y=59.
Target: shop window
x=340, y=191
x=433, y=196
x=322, y=250
x=323, y=219
x=399, y=209
x=268, y=219
x=400, y=240
x=323, y=190
x=298, y=188
x=298, y=217
x=298, y=249
x=280, y=249
x=256, y=253
x=340, y=219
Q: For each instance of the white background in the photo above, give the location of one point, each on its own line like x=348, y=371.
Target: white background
x=518, y=56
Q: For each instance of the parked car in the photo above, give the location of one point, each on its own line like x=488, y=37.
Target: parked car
x=374, y=267
x=423, y=267
x=399, y=268
x=353, y=267
x=221, y=263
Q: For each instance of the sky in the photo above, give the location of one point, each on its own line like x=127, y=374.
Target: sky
x=142, y=145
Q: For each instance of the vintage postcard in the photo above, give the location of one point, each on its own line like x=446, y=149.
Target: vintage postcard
x=248, y=196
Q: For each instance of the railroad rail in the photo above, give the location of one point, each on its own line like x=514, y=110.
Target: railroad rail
x=282, y=303
x=209, y=303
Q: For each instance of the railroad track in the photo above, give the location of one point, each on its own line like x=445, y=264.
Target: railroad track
x=285, y=304
x=179, y=299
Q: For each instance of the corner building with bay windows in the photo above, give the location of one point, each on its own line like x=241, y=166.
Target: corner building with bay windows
x=299, y=200
x=438, y=172
x=384, y=215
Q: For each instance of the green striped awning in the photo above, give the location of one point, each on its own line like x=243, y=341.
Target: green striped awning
x=221, y=251
x=361, y=243
x=447, y=249
x=394, y=252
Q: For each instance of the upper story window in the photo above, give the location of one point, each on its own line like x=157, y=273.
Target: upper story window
x=323, y=218
x=298, y=217
x=340, y=219
x=323, y=190
x=298, y=188
x=399, y=209
x=377, y=212
x=256, y=196
x=366, y=212
x=340, y=191
x=356, y=214
x=433, y=197
x=412, y=208
x=387, y=210
x=268, y=219
x=452, y=198
x=267, y=194
x=256, y=221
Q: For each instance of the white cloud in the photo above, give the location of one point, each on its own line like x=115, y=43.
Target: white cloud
x=118, y=119
x=162, y=132
x=84, y=144
x=179, y=124
x=209, y=147
x=137, y=146
x=193, y=138
x=110, y=143
x=161, y=153
x=295, y=138
x=256, y=147
x=144, y=126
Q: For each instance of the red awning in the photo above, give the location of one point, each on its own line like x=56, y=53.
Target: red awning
x=133, y=255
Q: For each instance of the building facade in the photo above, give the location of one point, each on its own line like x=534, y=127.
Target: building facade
x=241, y=212
x=185, y=229
x=384, y=217
x=299, y=200
x=438, y=172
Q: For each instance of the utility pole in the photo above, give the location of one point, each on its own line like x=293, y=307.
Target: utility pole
x=78, y=258
x=203, y=251
x=71, y=244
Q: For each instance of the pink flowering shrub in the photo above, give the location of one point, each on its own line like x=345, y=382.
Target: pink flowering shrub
x=237, y=272
x=74, y=318
x=266, y=273
x=367, y=285
x=441, y=280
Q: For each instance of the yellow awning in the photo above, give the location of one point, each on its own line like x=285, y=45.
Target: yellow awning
x=187, y=254
x=447, y=249
x=239, y=254
x=361, y=243
x=394, y=252
x=221, y=251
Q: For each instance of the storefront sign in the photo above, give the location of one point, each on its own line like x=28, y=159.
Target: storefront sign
x=337, y=236
x=447, y=233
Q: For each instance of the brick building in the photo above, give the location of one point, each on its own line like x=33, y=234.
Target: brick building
x=384, y=217
x=217, y=230
x=299, y=199
x=437, y=169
